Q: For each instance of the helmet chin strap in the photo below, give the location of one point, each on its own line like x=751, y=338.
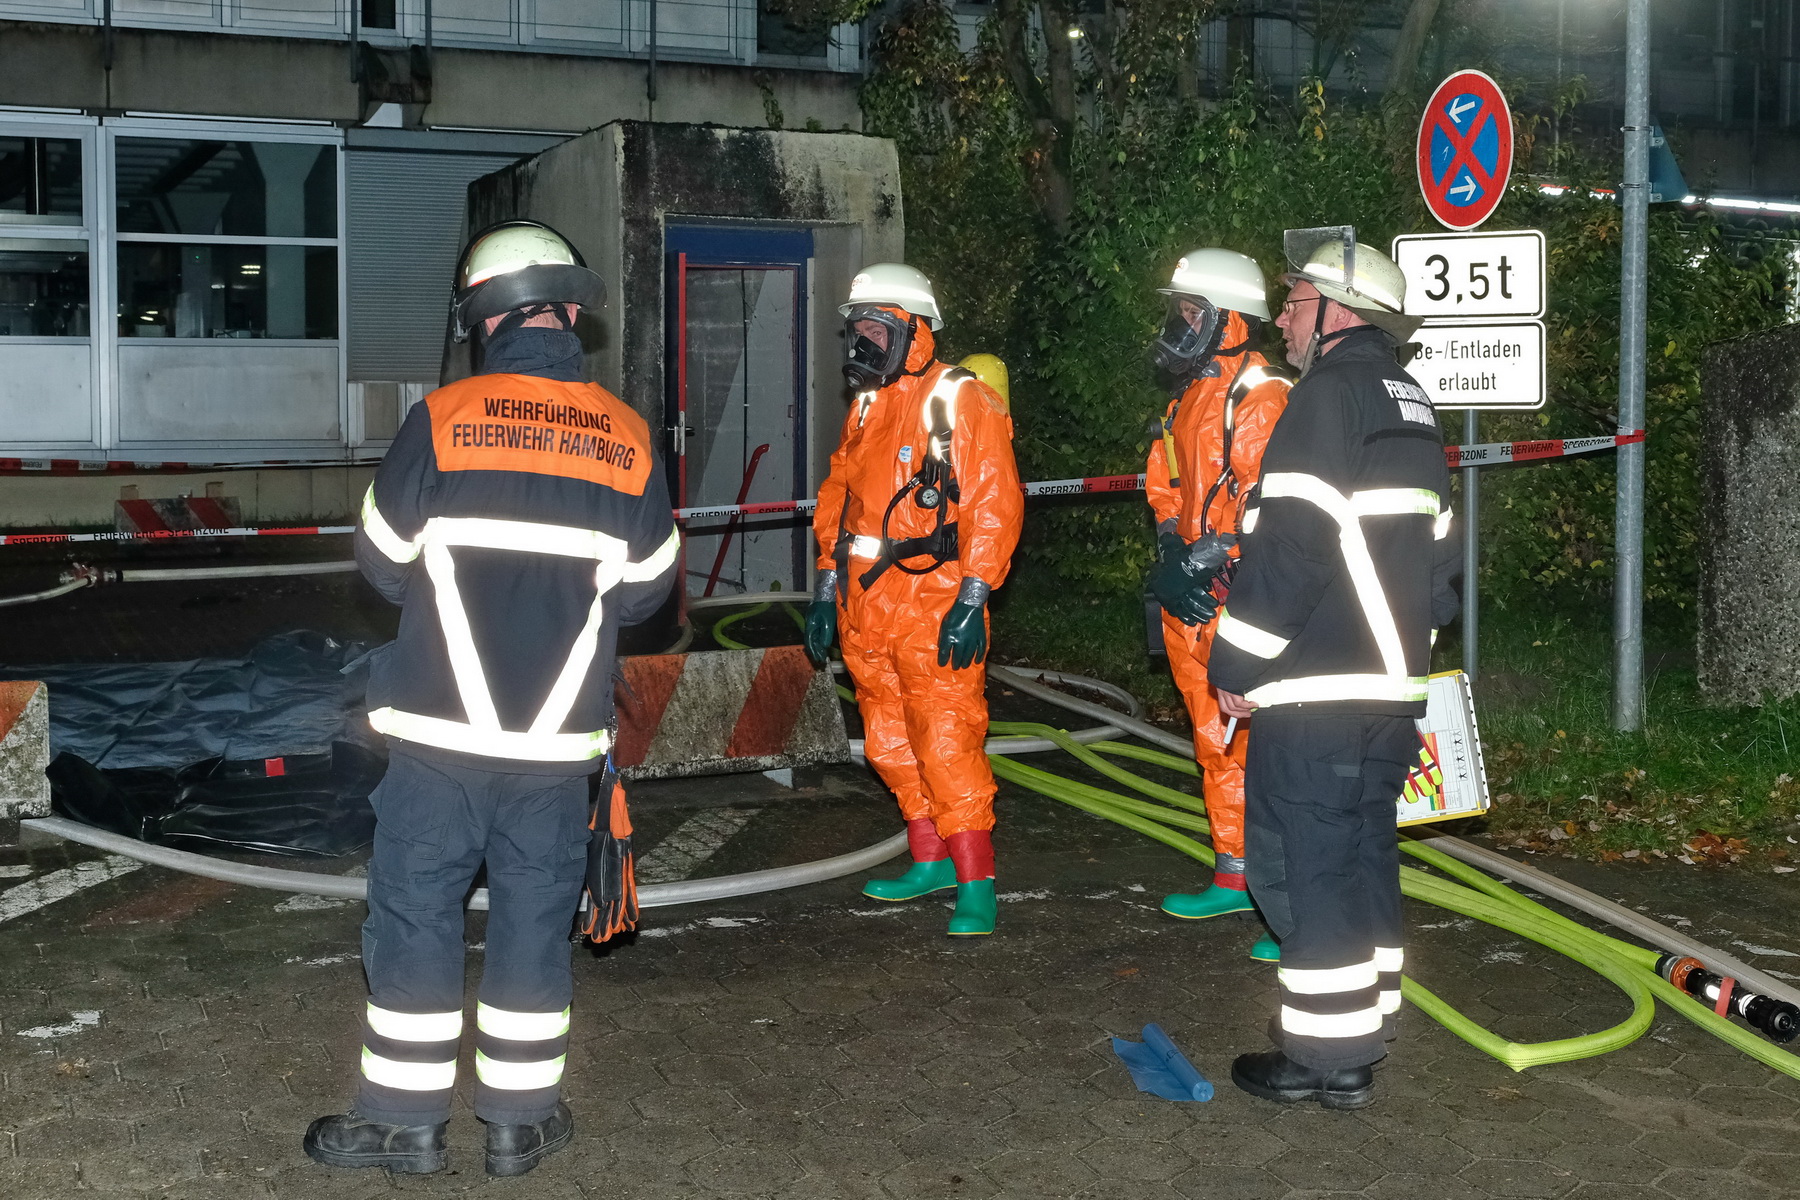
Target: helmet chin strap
x=1320, y=339
x=1316, y=342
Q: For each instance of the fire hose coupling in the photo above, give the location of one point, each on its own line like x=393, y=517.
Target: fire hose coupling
x=1776, y=1018
x=88, y=576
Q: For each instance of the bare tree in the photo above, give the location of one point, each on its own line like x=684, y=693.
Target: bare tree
x=1404, y=68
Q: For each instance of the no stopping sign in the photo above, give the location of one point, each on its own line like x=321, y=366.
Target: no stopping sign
x=1465, y=149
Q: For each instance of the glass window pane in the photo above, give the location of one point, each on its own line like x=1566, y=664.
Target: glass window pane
x=189, y=291
x=243, y=189
x=43, y=288
x=40, y=181
x=780, y=29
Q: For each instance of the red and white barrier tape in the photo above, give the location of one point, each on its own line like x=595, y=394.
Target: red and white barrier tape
x=1487, y=453
x=83, y=466
x=1499, y=453
x=167, y=535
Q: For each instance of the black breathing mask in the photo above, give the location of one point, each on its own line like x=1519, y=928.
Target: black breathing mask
x=1182, y=349
x=868, y=364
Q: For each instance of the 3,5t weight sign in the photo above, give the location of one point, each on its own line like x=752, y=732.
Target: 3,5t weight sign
x=1473, y=275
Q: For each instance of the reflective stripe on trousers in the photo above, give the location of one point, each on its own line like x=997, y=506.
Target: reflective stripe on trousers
x=413, y=1053
x=520, y=1051
x=1324, y=868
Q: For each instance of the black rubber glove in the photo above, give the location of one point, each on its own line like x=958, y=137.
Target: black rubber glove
x=962, y=638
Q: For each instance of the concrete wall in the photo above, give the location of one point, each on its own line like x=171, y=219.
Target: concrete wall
x=321, y=495
x=613, y=189
x=212, y=74
x=1749, y=645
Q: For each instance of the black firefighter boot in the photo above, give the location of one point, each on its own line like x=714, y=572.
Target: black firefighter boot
x=516, y=1149
x=352, y=1140
x=1274, y=1076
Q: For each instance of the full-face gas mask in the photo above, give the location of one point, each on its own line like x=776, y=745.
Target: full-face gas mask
x=867, y=363
x=1188, y=339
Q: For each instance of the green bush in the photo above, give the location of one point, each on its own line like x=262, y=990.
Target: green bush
x=1156, y=174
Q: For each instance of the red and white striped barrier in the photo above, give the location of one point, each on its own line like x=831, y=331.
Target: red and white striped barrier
x=1484, y=454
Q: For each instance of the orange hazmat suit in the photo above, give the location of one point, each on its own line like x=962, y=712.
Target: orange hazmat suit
x=1195, y=429
x=924, y=724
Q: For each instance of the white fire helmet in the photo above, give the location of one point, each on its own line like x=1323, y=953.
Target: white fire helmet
x=1225, y=277
x=895, y=285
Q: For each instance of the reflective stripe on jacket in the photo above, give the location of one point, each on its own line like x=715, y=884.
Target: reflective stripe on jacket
x=520, y=522
x=1348, y=565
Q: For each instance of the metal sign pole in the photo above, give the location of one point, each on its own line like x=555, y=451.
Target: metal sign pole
x=1628, y=550
x=1471, y=505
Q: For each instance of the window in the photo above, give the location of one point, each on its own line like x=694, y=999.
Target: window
x=190, y=290
x=40, y=181
x=783, y=27
x=43, y=288
x=226, y=239
x=231, y=189
x=378, y=14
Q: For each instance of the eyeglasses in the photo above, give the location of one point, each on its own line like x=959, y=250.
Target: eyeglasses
x=1289, y=305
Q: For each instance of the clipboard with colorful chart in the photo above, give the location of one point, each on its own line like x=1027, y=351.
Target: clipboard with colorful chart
x=1450, y=779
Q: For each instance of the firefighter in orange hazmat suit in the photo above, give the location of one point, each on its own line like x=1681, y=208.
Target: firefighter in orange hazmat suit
x=916, y=524
x=1199, y=478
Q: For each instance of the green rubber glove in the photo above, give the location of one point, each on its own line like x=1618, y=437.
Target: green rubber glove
x=821, y=620
x=962, y=638
x=1170, y=581
x=1183, y=586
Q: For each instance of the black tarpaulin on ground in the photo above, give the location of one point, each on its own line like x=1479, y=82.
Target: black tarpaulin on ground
x=270, y=752
x=317, y=805
x=290, y=695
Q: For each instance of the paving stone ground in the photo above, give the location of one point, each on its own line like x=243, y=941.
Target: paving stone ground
x=163, y=1036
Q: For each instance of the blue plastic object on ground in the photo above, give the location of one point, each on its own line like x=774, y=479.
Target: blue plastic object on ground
x=1158, y=1067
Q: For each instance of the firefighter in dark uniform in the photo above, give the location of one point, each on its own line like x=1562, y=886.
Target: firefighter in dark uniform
x=519, y=520
x=1348, y=570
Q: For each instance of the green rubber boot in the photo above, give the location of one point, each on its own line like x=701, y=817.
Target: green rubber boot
x=921, y=879
x=1267, y=949
x=1215, y=901
x=974, y=915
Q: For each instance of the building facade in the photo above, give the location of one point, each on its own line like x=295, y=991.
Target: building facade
x=227, y=227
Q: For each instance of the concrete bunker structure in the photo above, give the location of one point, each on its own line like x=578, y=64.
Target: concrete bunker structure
x=1749, y=645
x=726, y=253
